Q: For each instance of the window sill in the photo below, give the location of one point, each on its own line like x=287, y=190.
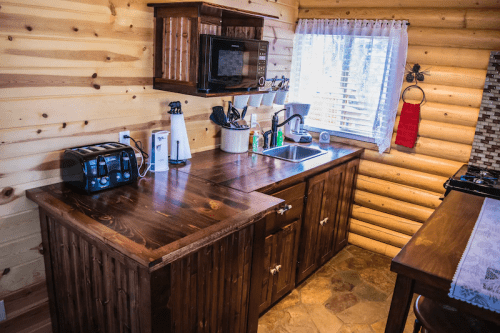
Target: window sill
x=351, y=142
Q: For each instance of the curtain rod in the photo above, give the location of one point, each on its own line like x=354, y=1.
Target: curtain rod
x=407, y=23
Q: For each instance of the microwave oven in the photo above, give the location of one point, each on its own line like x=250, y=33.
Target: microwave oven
x=231, y=64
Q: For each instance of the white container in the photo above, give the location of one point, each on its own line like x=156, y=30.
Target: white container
x=280, y=97
x=268, y=98
x=159, y=151
x=240, y=101
x=234, y=140
x=255, y=100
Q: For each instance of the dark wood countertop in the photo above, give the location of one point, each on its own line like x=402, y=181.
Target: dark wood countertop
x=250, y=172
x=158, y=219
x=167, y=215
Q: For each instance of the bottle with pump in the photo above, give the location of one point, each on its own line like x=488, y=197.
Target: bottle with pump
x=279, y=141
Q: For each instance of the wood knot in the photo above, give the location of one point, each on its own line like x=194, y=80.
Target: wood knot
x=108, y=58
x=75, y=29
x=131, y=26
x=45, y=115
x=96, y=86
x=86, y=122
x=10, y=38
x=94, y=75
x=39, y=131
x=64, y=125
x=133, y=97
x=95, y=34
x=185, y=102
x=348, y=12
x=7, y=192
x=144, y=48
x=29, y=28
x=6, y=271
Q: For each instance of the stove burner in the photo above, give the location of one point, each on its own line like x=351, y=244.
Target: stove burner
x=471, y=179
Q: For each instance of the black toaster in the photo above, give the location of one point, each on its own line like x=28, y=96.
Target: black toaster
x=99, y=166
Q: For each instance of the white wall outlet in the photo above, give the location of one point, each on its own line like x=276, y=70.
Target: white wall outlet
x=3, y=316
x=253, y=120
x=125, y=141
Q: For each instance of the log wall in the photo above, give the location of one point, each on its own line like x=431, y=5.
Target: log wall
x=397, y=192
x=77, y=72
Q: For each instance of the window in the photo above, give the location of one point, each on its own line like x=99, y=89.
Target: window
x=348, y=74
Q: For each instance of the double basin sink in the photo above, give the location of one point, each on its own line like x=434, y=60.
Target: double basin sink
x=292, y=153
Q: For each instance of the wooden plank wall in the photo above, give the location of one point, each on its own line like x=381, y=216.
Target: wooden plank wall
x=76, y=72
x=397, y=192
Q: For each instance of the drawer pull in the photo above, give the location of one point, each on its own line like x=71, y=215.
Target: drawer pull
x=324, y=221
x=282, y=211
x=278, y=268
x=274, y=271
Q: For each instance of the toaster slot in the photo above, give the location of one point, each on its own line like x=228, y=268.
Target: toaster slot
x=102, y=170
x=125, y=165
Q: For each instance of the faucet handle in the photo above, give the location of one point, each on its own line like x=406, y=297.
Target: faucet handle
x=266, y=139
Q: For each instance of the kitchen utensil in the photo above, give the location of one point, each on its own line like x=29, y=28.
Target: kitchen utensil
x=244, y=112
x=235, y=113
x=220, y=116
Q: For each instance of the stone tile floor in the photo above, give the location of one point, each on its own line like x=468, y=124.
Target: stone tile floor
x=350, y=293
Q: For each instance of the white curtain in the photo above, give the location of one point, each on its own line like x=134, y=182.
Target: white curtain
x=361, y=61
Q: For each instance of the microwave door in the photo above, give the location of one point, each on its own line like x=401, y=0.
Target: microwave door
x=232, y=64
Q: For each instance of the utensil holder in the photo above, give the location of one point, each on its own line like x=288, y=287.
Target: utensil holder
x=268, y=98
x=255, y=100
x=240, y=101
x=234, y=140
x=280, y=97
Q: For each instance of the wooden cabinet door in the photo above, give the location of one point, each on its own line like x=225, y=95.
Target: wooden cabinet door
x=349, y=186
x=330, y=212
x=267, y=276
x=286, y=255
x=307, y=258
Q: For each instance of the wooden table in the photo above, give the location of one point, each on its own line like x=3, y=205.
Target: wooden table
x=427, y=264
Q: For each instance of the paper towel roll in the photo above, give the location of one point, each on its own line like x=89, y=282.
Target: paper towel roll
x=178, y=133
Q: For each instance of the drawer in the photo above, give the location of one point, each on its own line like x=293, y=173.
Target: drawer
x=294, y=197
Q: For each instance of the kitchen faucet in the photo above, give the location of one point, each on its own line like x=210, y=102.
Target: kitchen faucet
x=274, y=128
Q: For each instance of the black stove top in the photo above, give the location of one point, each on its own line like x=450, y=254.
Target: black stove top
x=474, y=180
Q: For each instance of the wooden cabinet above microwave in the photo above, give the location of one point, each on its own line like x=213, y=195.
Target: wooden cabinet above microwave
x=178, y=27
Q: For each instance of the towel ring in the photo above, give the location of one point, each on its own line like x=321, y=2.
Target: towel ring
x=416, y=86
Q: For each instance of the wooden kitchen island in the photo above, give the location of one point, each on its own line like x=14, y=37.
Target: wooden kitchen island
x=183, y=250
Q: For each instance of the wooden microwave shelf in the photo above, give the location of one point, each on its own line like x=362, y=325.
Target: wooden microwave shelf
x=178, y=27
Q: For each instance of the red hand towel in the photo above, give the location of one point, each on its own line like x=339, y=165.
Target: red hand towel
x=408, y=125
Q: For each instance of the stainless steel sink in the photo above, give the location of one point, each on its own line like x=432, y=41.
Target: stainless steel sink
x=293, y=153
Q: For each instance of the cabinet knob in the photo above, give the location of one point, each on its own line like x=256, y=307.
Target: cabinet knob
x=282, y=211
x=274, y=271
x=324, y=221
x=278, y=268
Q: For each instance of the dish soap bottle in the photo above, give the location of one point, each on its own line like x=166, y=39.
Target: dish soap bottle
x=279, y=141
x=255, y=141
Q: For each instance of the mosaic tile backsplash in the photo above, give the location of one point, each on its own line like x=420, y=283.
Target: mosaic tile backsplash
x=486, y=146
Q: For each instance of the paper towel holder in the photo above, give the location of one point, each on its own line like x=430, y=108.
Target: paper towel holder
x=175, y=108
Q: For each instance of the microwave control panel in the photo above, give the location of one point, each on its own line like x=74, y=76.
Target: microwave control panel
x=262, y=64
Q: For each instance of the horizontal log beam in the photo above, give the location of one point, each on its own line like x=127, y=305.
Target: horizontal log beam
x=446, y=113
x=443, y=149
x=403, y=176
x=447, y=56
x=443, y=131
x=445, y=94
x=417, y=162
x=462, y=38
x=378, y=233
x=385, y=220
x=454, y=76
x=392, y=206
x=373, y=245
x=399, y=192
